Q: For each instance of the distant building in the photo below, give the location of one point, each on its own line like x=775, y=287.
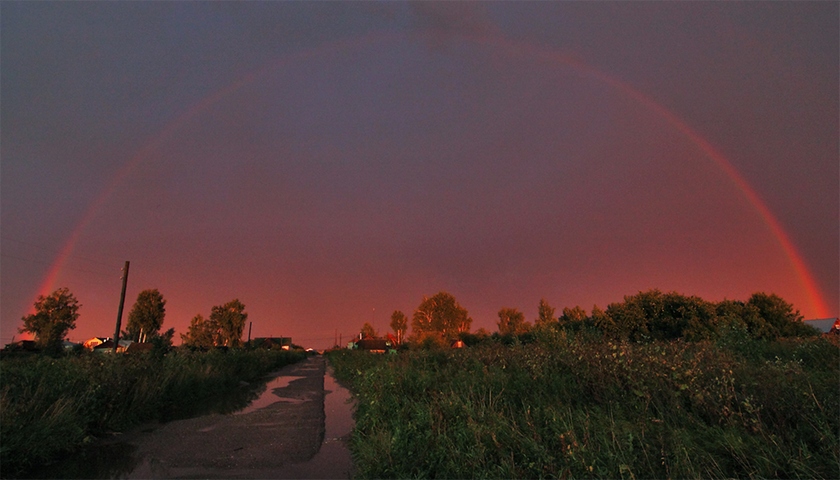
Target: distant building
x=22, y=346
x=94, y=342
x=825, y=325
x=108, y=346
x=282, y=343
x=374, y=345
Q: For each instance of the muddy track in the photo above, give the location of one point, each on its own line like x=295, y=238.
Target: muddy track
x=279, y=440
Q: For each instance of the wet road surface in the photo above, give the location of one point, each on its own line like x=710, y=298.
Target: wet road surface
x=296, y=429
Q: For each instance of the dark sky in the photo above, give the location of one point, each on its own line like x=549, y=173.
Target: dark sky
x=329, y=163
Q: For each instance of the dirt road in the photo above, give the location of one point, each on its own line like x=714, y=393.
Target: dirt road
x=285, y=438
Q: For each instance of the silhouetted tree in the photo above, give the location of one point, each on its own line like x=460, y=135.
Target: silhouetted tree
x=512, y=322
x=368, y=331
x=202, y=333
x=230, y=319
x=782, y=320
x=399, y=324
x=54, y=316
x=571, y=315
x=442, y=315
x=545, y=313
x=146, y=316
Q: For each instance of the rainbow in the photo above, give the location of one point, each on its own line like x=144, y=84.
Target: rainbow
x=513, y=47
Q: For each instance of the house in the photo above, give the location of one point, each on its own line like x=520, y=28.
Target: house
x=825, y=325
x=22, y=346
x=282, y=343
x=138, y=347
x=374, y=345
x=108, y=346
x=90, y=344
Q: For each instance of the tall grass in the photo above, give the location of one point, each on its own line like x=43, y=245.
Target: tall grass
x=572, y=407
x=51, y=406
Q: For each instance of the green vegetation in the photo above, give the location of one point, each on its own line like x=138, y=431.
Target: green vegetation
x=54, y=316
x=51, y=406
x=440, y=315
x=223, y=328
x=146, y=316
x=659, y=386
x=568, y=406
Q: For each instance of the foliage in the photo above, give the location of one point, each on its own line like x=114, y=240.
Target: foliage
x=545, y=313
x=571, y=315
x=512, y=322
x=570, y=406
x=442, y=315
x=368, y=331
x=54, y=316
x=230, y=319
x=399, y=324
x=201, y=334
x=51, y=406
x=146, y=316
x=653, y=315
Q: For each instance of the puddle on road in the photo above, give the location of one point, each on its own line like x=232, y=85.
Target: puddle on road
x=268, y=397
x=333, y=460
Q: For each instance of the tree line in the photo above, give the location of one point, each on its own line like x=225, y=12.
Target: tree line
x=646, y=316
x=56, y=314
x=650, y=315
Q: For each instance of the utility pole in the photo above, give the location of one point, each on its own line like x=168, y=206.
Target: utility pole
x=122, y=302
x=250, y=324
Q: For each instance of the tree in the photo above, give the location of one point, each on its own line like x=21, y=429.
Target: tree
x=399, y=324
x=782, y=320
x=202, y=333
x=570, y=315
x=230, y=319
x=545, y=313
x=512, y=322
x=146, y=316
x=441, y=315
x=600, y=319
x=54, y=316
x=368, y=331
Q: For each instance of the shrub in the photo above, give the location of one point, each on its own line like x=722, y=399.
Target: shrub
x=50, y=406
x=571, y=406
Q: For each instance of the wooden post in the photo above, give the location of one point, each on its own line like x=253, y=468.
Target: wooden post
x=122, y=303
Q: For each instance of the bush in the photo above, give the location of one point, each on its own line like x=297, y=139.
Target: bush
x=574, y=407
x=51, y=406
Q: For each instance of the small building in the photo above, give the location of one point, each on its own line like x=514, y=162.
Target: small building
x=22, y=346
x=825, y=325
x=281, y=343
x=374, y=345
x=94, y=342
x=138, y=347
x=108, y=346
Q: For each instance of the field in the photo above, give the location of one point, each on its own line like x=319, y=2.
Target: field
x=52, y=406
x=576, y=405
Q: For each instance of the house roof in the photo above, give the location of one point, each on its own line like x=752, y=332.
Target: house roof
x=373, y=344
x=823, y=324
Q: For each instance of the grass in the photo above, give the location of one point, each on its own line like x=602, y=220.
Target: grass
x=567, y=406
x=52, y=406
